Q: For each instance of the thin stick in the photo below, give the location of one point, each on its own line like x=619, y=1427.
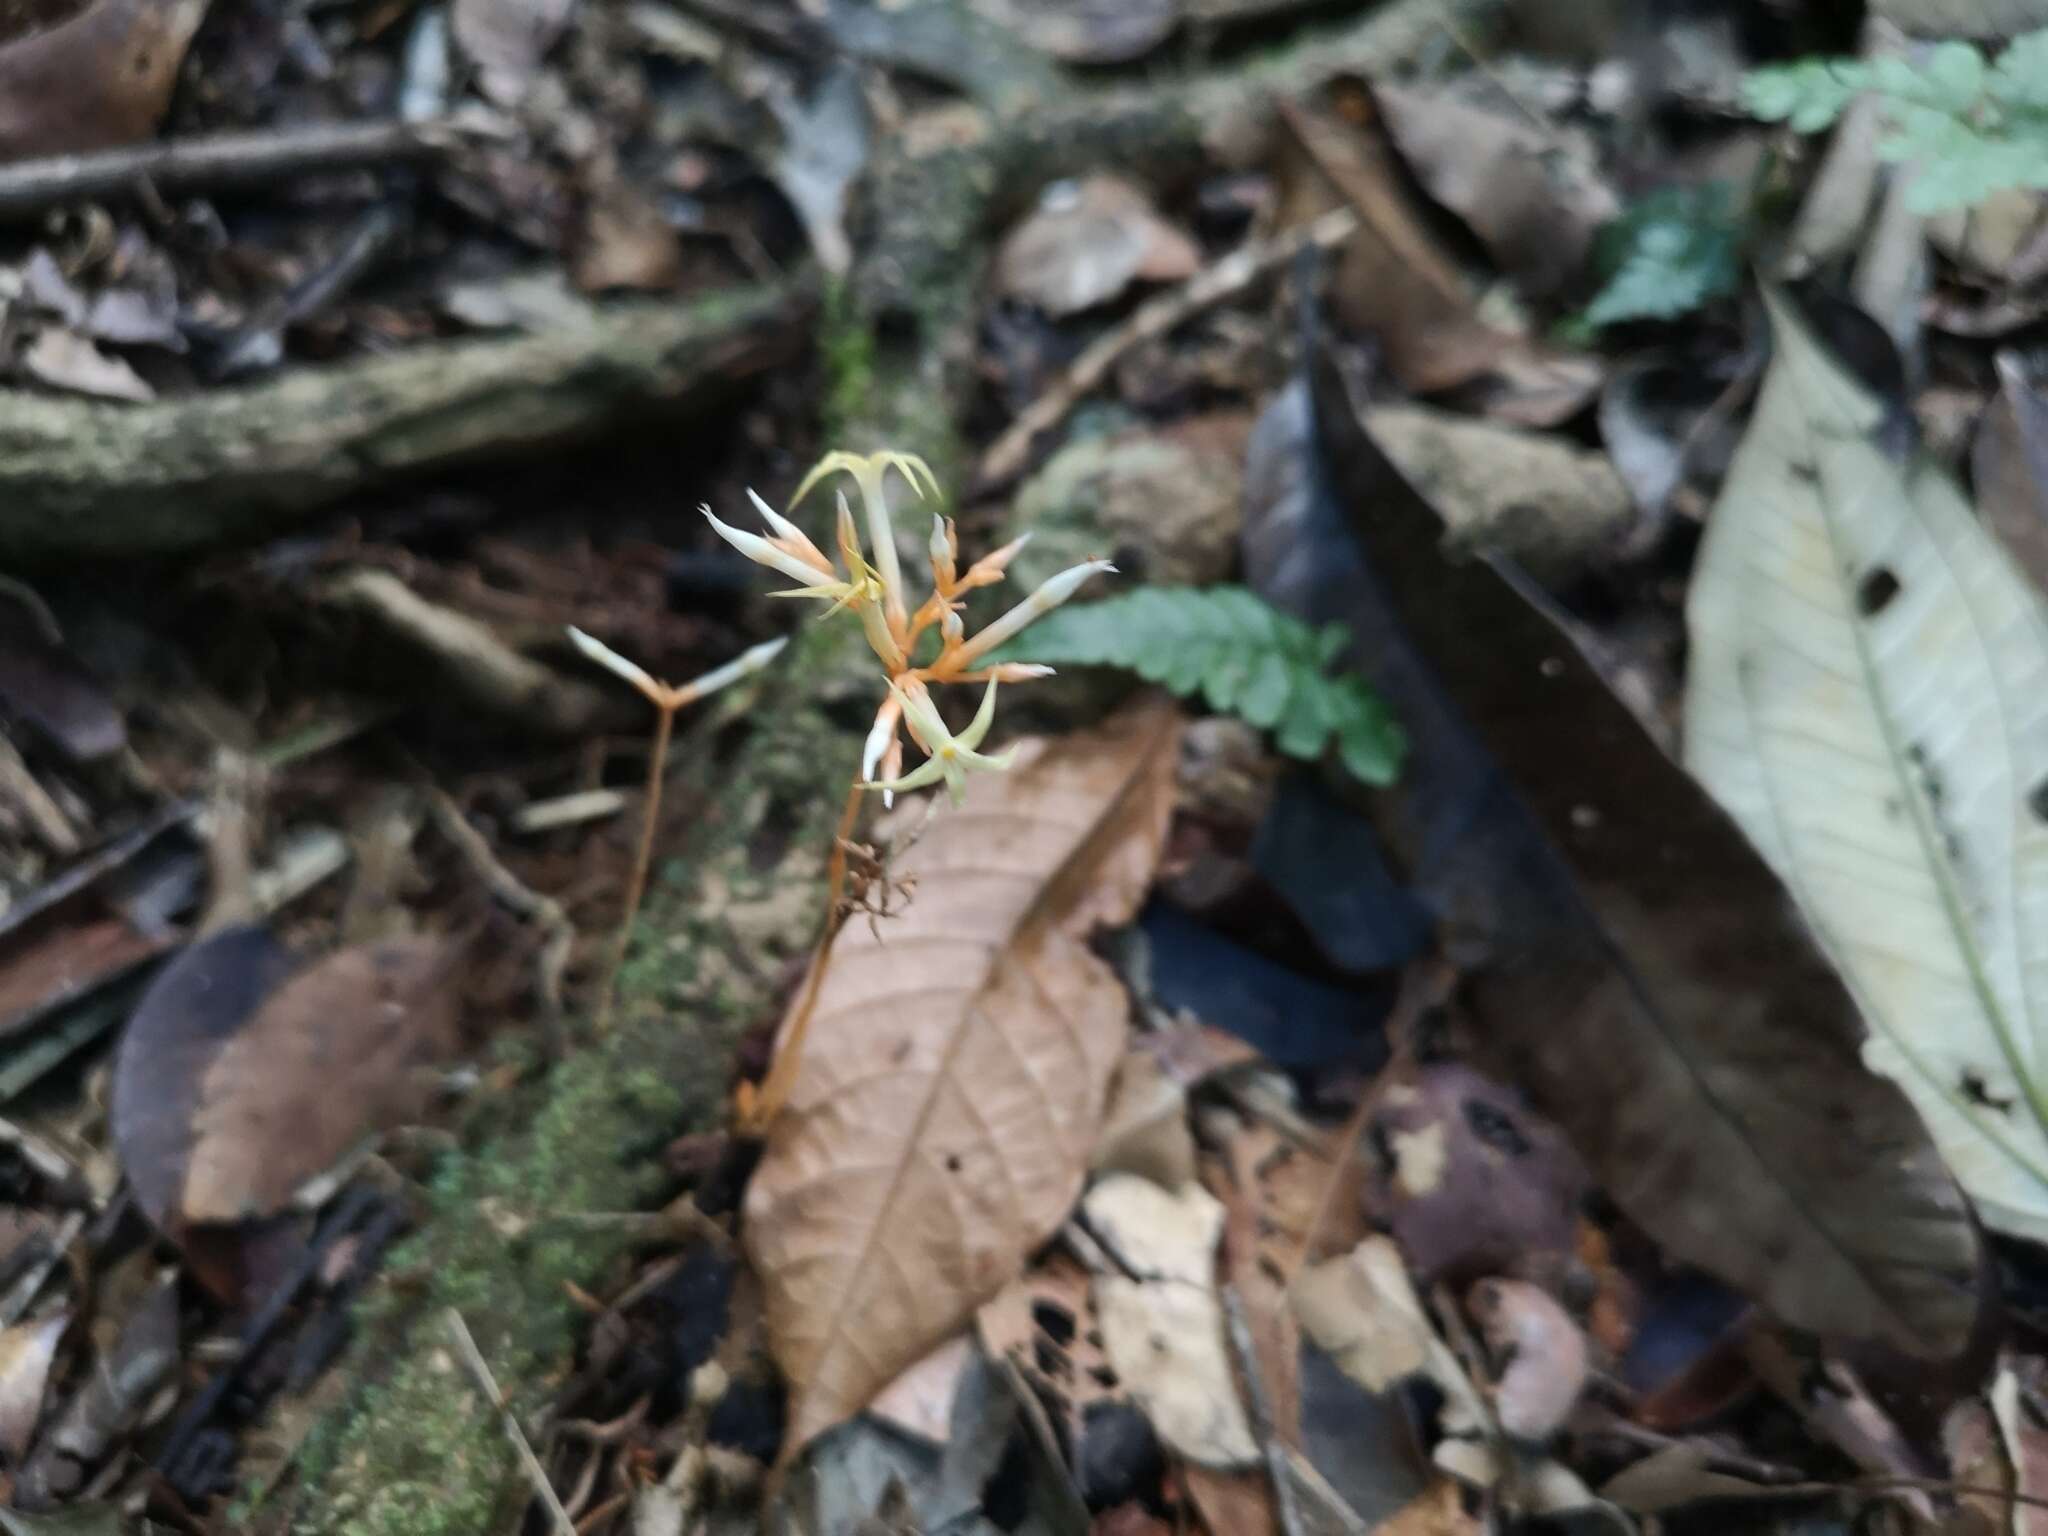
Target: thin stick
x=480, y=1373
x=643, y=857
x=758, y=1108
x=1234, y=273
x=558, y=934
x=1261, y=1413
x=29, y=188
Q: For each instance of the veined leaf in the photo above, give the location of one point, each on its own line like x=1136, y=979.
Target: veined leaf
x=1869, y=699
x=1628, y=956
x=957, y=1067
x=1244, y=656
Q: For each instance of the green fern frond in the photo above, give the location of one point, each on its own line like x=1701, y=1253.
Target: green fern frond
x=1972, y=127
x=1243, y=656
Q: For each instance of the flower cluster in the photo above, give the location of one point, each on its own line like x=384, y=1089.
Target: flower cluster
x=880, y=600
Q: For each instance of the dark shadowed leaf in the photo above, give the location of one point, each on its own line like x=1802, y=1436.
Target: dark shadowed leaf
x=235, y=1085
x=190, y=1011
x=1634, y=964
x=2009, y=466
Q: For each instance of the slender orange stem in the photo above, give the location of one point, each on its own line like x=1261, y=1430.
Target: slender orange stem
x=643, y=857
x=758, y=1109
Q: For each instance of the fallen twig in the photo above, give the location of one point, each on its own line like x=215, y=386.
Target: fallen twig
x=469, y=657
x=1006, y=457
x=29, y=188
x=480, y=1373
x=558, y=934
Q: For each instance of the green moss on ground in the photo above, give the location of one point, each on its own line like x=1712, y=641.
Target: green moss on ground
x=416, y=1452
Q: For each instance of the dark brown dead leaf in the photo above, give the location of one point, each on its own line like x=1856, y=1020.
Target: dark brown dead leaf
x=1467, y=1178
x=107, y=1404
x=85, y=77
x=65, y=962
x=1634, y=964
x=238, y=1080
x=190, y=1010
x=336, y=1052
x=1393, y=280
x=957, y=1067
x=1529, y=192
x=1086, y=242
x=2009, y=468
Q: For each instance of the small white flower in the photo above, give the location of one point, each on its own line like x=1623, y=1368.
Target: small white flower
x=951, y=757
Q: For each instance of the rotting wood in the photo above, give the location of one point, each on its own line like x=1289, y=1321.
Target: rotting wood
x=81, y=478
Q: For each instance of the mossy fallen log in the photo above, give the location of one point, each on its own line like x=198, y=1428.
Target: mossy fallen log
x=84, y=478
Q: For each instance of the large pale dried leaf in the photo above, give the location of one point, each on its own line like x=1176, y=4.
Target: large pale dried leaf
x=957, y=1067
x=1635, y=965
x=1869, y=698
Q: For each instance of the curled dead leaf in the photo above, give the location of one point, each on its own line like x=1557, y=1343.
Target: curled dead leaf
x=957, y=1067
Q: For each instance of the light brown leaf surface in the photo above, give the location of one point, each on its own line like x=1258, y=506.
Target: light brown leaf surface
x=957, y=1067
x=337, y=1052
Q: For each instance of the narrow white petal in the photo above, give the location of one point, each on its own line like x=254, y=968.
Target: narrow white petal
x=759, y=550
x=1055, y=590
x=597, y=651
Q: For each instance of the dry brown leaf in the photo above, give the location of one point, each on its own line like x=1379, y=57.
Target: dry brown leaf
x=1530, y=191
x=237, y=1080
x=63, y=359
x=957, y=1067
x=89, y=76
